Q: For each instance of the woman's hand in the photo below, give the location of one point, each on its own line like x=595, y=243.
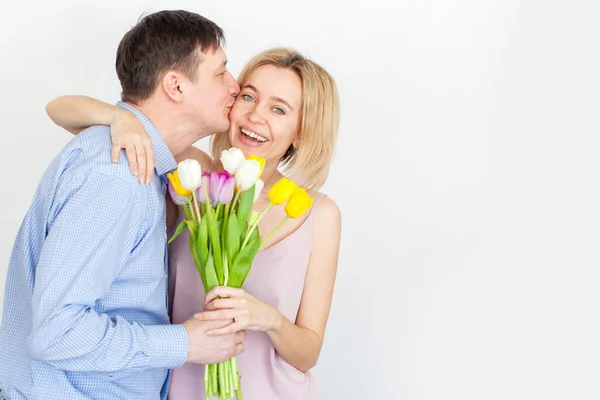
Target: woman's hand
x=247, y=311
x=127, y=132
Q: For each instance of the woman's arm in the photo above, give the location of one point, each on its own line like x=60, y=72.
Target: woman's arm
x=76, y=113
x=298, y=343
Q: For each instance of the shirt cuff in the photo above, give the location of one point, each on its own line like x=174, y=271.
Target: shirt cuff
x=167, y=346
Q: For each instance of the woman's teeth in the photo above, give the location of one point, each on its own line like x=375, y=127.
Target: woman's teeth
x=253, y=135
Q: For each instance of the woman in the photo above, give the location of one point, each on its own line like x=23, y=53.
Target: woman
x=287, y=113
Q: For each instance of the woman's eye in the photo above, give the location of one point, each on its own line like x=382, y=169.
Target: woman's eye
x=279, y=111
x=247, y=97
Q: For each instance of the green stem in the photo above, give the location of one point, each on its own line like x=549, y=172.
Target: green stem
x=234, y=370
x=225, y=223
x=186, y=210
x=215, y=381
x=254, y=225
x=227, y=368
x=207, y=391
x=196, y=205
x=235, y=199
x=221, y=379
x=225, y=269
x=226, y=216
x=274, y=230
x=191, y=208
x=215, y=238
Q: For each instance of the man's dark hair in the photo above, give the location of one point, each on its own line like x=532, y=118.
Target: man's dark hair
x=159, y=42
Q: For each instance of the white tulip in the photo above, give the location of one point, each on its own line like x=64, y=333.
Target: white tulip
x=231, y=159
x=246, y=174
x=190, y=174
x=258, y=188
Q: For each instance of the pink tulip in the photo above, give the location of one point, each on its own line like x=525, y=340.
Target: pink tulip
x=205, y=184
x=219, y=187
x=226, y=183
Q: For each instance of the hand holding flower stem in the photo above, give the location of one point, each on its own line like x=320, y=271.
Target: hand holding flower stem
x=226, y=241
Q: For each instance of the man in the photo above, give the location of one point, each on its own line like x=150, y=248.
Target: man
x=85, y=309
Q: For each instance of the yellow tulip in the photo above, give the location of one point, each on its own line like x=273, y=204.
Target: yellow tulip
x=282, y=191
x=299, y=203
x=260, y=160
x=174, y=178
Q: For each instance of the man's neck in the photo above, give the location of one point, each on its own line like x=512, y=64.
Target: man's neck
x=174, y=129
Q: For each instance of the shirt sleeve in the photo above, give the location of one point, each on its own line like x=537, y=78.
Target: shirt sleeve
x=87, y=245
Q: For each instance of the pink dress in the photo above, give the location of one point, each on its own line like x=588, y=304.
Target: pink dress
x=277, y=278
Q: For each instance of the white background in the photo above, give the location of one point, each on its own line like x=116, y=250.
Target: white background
x=467, y=174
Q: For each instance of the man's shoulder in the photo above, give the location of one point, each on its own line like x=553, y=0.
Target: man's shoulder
x=95, y=140
x=96, y=145
x=85, y=164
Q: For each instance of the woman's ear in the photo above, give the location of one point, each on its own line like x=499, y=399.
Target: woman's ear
x=171, y=86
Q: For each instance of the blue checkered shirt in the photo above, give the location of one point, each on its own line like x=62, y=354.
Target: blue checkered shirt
x=85, y=307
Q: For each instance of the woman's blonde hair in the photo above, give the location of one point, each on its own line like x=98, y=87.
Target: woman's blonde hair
x=308, y=164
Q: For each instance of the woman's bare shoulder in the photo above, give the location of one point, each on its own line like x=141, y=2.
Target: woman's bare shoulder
x=326, y=208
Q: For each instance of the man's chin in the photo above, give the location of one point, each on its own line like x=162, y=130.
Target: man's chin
x=223, y=128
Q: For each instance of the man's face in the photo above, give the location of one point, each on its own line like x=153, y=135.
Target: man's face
x=211, y=96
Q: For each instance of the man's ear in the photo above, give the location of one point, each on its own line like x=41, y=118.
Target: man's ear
x=171, y=86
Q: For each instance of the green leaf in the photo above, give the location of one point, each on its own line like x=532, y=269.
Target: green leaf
x=225, y=223
x=255, y=235
x=232, y=242
x=211, y=273
x=243, y=262
x=201, y=242
x=245, y=207
x=215, y=241
x=193, y=227
x=186, y=209
x=199, y=265
x=178, y=231
x=219, y=212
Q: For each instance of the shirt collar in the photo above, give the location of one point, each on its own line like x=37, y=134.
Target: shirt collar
x=165, y=162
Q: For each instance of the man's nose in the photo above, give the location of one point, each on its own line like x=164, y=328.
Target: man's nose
x=234, y=88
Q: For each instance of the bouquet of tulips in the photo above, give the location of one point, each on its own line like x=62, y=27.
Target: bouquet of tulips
x=224, y=238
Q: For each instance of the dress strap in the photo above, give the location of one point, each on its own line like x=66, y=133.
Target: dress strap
x=317, y=199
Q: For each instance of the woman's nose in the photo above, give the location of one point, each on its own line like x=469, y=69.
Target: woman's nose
x=256, y=116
